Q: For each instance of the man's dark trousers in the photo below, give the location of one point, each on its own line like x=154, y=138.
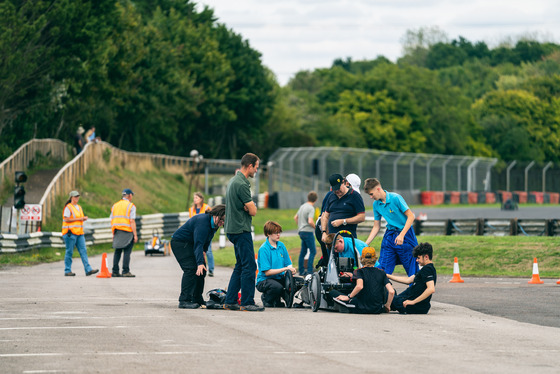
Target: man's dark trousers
x=243, y=276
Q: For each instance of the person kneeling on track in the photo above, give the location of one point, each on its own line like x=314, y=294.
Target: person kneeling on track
x=273, y=261
x=416, y=298
x=373, y=292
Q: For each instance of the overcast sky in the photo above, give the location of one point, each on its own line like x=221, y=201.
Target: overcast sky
x=294, y=35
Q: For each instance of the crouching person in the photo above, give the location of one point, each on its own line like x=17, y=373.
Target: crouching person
x=416, y=298
x=273, y=261
x=373, y=293
x=189, y=243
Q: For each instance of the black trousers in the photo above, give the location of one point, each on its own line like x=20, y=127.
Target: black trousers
x=192, y=285
x=399, y=299
x=126, y=258
x=324, y=250
x=272, y=290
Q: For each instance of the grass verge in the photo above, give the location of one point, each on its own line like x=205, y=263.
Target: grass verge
x=479, y=256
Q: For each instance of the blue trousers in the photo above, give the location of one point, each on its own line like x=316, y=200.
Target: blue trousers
x=243, y=277
x=79, y=242
x=392, y=254
x=307, y=242
x=210, y=258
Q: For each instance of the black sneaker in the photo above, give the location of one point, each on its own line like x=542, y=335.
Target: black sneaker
x=251, y=308
x=128, y=275
x=116, y=275
x=188, y=305
x=210, y=273
x=69, y=274
x=279, y=304
x=92, y=271
x=231, y=306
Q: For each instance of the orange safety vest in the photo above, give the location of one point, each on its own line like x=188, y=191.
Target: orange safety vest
x=76, y=227
x=121, y=216
x=203, y=209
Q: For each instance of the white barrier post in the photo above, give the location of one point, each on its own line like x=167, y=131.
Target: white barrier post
x=222, y=238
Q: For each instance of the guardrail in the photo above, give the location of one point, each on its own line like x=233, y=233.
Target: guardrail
x=99, y=230
x=25, y=154
x=96, y=231
x=479, y=226
x=93, y=152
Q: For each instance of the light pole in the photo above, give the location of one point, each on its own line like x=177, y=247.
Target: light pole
x=197, y=161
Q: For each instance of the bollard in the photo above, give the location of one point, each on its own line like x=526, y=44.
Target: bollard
x=222, y=238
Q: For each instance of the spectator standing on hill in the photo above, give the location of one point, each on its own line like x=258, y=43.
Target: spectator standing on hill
x=189, y=243
x=123, y=225
x=73, y=219
x=79, y=142
x=399, y=239
x=198, y=207
x=240, y=208
x=305, y=219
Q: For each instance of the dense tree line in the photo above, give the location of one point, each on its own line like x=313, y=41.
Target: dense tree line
x=165, y=76
x=150, y=75
x=450, y=97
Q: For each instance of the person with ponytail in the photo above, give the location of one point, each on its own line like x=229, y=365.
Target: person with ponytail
x=73, y=219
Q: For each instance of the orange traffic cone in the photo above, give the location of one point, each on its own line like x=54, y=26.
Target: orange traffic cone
x=558, y=282
x=536, y=279
x=104, y=273
x=456, y=275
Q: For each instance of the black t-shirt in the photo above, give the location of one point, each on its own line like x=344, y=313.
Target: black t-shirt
x=418, y=286
x=370, y=298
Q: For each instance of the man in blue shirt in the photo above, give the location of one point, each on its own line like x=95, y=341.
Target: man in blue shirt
x=189, y=243
x=399, y=239
x=345, y=248
x=273, y=262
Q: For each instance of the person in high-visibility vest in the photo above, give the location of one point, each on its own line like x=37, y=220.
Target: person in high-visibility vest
x=198, y=207
x=73, y=219
x=123, y=225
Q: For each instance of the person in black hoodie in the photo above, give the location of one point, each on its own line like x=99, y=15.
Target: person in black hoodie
x=189, y=243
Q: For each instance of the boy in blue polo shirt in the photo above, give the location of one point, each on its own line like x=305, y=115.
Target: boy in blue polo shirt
x=273, y=261
x=399, y=239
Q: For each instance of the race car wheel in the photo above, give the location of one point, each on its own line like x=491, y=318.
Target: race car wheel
x=315, y=292
x=289, y=289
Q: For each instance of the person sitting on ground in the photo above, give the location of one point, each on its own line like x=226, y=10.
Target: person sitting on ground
x=416, y=298
x=373, y=292
x=273, y=261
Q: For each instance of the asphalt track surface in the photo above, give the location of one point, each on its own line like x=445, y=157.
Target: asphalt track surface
x=55, y=324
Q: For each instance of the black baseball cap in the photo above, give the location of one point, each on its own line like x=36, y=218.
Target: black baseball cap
x=336, y=180
x=127, y=191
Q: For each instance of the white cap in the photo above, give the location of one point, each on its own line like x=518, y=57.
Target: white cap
x=354, y=181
